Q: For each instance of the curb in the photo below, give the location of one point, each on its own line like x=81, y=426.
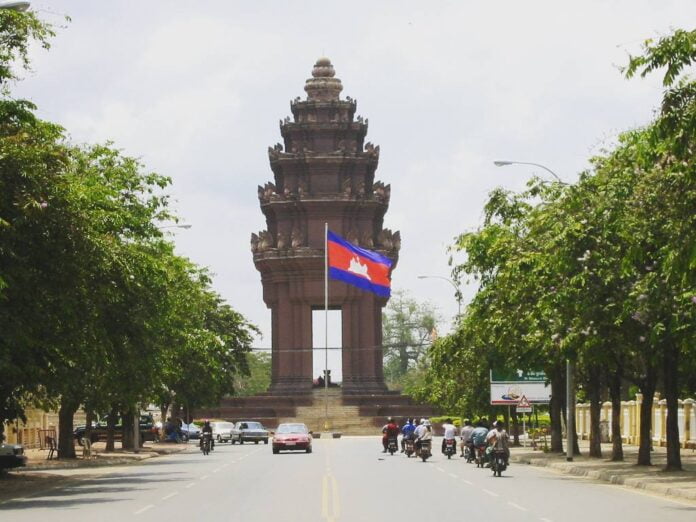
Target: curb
x=609, y=476
x=98, y=462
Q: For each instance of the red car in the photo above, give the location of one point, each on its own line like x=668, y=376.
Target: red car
x=292, y=437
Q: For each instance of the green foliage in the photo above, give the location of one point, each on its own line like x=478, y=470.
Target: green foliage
x=259, y=378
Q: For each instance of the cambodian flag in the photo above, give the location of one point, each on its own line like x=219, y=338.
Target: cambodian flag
x=357, y=266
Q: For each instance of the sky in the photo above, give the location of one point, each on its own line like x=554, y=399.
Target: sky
x=196, y=89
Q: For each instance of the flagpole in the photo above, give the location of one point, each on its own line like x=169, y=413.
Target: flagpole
x=326, y=326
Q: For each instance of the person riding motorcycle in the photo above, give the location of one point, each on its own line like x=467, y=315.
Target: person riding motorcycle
x=478, y=436
x=423, y=432
x=498, y=440
x=465, y=434
x=449, y=434
x=407, y=431
x=390, y=431
x=207, y=428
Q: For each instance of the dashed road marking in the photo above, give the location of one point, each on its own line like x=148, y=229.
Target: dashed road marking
x=491, y=493
x=439, y=469
x=517, y=506
x=453, y=475
x=172, y=494
x=205, y=477
x=545, y=520
x=190, y=485
x=216, y=470
x=143, y=509
x=468, y=482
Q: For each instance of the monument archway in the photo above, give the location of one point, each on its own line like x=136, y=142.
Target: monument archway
x=324, y=172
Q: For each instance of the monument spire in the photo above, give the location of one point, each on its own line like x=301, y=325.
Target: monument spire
x=322, y=86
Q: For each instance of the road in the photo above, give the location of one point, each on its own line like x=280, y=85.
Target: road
x=347, y=479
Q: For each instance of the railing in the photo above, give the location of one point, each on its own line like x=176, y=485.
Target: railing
x=630, y=421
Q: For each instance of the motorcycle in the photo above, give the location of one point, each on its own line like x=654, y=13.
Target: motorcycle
x=206, y=443
x=498, y=462
x=409, y=447
x=425, y=450
x=480, y=456
x=469, y=452
x=450, y=447
x=392, y=445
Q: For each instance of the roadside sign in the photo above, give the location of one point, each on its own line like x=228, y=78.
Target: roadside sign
x=524, y=406
x=508, y=387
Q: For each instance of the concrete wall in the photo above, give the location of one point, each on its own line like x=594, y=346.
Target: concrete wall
x=630, y=421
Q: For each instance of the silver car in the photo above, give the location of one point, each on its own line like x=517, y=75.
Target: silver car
x=222, y=431
x=249, y=431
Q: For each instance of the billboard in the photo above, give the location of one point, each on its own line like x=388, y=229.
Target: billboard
x=508, y=387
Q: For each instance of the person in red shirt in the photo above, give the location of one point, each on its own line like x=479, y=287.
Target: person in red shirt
x=389, y=431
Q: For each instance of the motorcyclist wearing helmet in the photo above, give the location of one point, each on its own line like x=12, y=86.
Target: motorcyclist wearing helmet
x=389, y=431
x=207, y=428
x=407, y=431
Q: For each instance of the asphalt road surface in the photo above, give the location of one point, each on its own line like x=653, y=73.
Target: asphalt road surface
x=348, y=479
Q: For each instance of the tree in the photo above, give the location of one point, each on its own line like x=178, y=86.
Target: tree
x=408, y=328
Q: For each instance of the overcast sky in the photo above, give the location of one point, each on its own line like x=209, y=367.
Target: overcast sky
x=196, y=90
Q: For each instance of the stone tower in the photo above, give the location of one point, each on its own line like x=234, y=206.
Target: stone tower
x=323, y=172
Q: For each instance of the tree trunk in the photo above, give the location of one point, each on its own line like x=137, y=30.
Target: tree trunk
x=555, y=408
x=647, y=388
x=110, y=427
x=164, y=409
x=515, y=428
x=671, y=382
x=89, y=417
x=594, y=392
x=615, y=393
x=127, y=430
x=66, y=439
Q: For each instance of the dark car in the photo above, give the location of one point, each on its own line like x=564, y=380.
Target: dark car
x=12, y=456
x=248, y=431
x=148, y=431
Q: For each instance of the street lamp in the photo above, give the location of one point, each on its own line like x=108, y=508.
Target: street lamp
x=456, y=289
x=503, y=163
x=15, y=6
x=570, y=366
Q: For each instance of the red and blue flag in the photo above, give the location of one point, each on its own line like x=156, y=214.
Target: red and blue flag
x=358, y=266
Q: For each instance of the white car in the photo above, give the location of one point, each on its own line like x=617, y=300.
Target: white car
x=221, y=430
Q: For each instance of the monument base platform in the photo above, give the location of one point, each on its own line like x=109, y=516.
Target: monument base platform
x=351, y=412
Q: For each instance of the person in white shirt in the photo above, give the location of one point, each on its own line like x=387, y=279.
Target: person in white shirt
x=466, y=433
x=450, y=433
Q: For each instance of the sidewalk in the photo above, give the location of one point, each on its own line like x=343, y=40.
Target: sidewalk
x=680, y=485
x=36, y=458
x=40, y=475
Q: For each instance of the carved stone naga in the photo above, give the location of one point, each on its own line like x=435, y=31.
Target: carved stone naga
x=388, y=240
x=261, y=242
x=372, y=150
x=274, y=152
x=382, y=192
x=267, y=192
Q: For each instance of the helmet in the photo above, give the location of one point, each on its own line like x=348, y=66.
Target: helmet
x=390, y=419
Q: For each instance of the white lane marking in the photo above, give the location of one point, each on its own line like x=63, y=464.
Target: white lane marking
x=517, y=506
x=205, y=477
x=143, y=510
x=545, y=520
x=226, y=465
x=491, y=493
x=468, y=482
x=216, y=470
x=172, y=494
x=439, y=469
x=190, y=485
x=453, y=475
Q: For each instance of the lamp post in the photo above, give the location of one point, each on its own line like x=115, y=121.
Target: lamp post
x=454, y=285
x=570, y=365
x=15, y=6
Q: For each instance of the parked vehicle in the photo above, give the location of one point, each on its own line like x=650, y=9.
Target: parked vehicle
x=498, y=462
x=148, y=430
x=12, y=456
x=425, y=450
x=222, y=431
x=192, y=431
x=206, y=443
x=392, y=445
x=409, y=447
x=249, y=431
x=450, y=447
x=292, y=437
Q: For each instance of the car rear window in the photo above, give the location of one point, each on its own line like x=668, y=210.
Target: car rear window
x=292, y=428
x=254, y=426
